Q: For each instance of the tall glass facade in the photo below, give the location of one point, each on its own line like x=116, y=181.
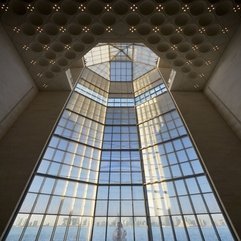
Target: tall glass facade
x=120, y=164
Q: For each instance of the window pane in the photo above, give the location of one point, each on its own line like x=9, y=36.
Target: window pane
x=140, y=229
x=99, y=230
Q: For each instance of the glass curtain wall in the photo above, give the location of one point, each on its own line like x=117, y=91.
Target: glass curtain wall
x=120, y=206
x=182, y=204
x=120, y=164
x=60, y=202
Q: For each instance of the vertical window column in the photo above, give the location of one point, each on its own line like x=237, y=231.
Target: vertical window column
x=120, y=205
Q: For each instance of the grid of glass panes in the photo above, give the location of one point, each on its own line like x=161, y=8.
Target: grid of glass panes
x=186, y=209
x=95, y=79
x=144, y=55
x=123, y=116
x=102, y=69
x=68, y=159
x=60, y=202
x=97, y=55
x=92, y=88
x=181, y=203
x=122, y=56
x=81, y=129
x=91, y=94
x=121, y=71
x=172, y=159
x=120, y=197
x=154, y=107
x=121, y=102
x=140, y=69
x=120, y=167
x=150, y=94
x=126, y=50
x=54, y=209
x=120, y=137
x=86, y=107
x=73, y=191
x=101, y=57
x=147, y=81
x=163, y=128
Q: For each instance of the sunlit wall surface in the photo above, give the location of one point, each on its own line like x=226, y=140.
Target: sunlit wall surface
x=120, y=164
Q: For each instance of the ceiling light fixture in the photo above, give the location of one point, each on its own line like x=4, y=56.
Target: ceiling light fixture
x=159, y=8
x=109, y=29
x=82, y=8
x=85, y=29
x=108, y=7
x=236, y=8
x=225, y=30
x=211, y=8
x=62, y=29
x=174, y=47
x=202, y=30
x=132, y=29
x=46, y=47
x=25, y=47
x=16, y=29
x=68, y=47
x=39, y=29
x=195, y=47
x=179, y=30
x=134, y=8
x=4, y=7
x=56, y=7
x=185, y=8
x=156, y=29
x=30, y=7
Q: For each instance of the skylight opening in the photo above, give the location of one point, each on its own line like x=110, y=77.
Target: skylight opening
x=121, y=61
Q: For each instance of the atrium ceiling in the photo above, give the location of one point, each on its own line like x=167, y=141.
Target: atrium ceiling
x=102, y=58
x=52, y=36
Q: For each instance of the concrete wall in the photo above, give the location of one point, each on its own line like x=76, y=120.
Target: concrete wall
x=21, y=147
x=224, y=87
x=17, y=88
x=219, y=147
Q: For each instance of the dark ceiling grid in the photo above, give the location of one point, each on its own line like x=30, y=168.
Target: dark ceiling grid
x=52, y=35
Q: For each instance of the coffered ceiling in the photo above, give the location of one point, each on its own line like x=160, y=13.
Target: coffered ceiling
x=52, y=35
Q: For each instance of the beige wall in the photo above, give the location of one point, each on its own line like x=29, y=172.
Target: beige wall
x=224, y=86
x=17, y=88
x=21, y=146
x=219, y=147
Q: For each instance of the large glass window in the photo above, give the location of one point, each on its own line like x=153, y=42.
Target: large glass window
x=122, y=168
x=120, y=70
